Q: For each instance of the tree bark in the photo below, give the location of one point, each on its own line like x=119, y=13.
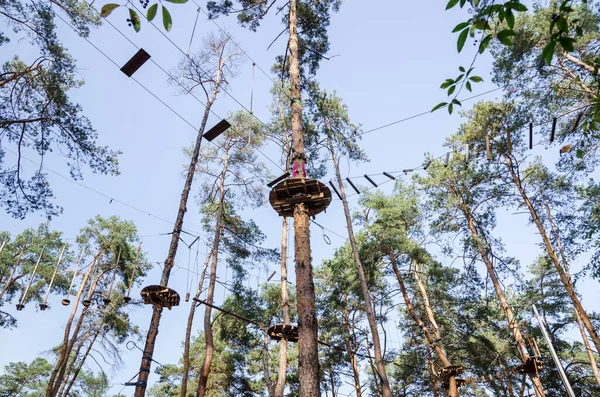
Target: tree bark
x=438, y=347
x=364, y=288
x=79, y=366
x=282, y=371
x=453, y=387
x=308, y=349
x=563, y=272
x=353, y=363
x=146, y=364
x=266, y=372
x=512, y=324
x=588, y=349
x=434, y=382
x=188, y=332
x=66, y=348
x=208, y=334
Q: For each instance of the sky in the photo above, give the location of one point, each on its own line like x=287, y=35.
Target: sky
x=386, y=62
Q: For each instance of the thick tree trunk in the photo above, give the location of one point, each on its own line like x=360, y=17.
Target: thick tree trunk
x=208, y=334
x=66, y=346
x=188, y=332
x=563, y=272
x=308, y=348
x=148, y=352
x=512, y=323
x=282, y=372
x=364, y=287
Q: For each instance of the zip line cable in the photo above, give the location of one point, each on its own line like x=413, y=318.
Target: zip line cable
x=100, y=193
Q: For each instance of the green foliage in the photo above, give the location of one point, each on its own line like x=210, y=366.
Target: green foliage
x=30, y=380
x=134, y=19
x=313, y=21
x=37, y=115
x=16, y=268
x=497, y=22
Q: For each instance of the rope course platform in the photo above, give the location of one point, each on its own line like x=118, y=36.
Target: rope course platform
x=283, y=331
x=157, y=295
x=286, y=194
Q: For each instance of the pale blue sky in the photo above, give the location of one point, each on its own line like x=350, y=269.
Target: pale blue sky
x=392, y=59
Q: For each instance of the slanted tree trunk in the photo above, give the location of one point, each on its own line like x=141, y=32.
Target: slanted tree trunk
x=364, y=287
x=588, y=349
x=188, y=331
x=433, y=339
x=453, y=387
x=353, y=363
x=77, y=370
x=66, y=347
x=146, y=364
x=481, y=244
x=308, y=348
x=562, y=269
x=208, y=334
x=12, y=280
x=434, y=382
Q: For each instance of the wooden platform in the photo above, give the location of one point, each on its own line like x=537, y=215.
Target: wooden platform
x=157, y=295
x=532, y=365
x=283, y=331
x=288, y=193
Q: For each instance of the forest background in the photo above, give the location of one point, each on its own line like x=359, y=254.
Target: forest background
x=386, y=64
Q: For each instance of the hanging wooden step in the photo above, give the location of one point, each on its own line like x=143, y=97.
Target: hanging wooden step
x=283, y=331
x=157, y=295
x=315, y=195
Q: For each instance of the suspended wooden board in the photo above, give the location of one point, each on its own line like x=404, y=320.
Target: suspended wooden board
x=315, y=195
x=283, y=331
x=157, y=295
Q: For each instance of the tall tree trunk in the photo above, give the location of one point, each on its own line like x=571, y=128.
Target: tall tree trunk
x=353, y=363
x=148, y=352
x=66, y=347
x=436, y=342
x=266, y=372
x=308, y=348
x=588, y=349
x=373, y=368
x=434, y=382
x=79, y=366
x=188, y=332
x=364, y=287
x=453, y=387
x=282, y=372
x=481, y=243
x=208, y=334
x=563, y=272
